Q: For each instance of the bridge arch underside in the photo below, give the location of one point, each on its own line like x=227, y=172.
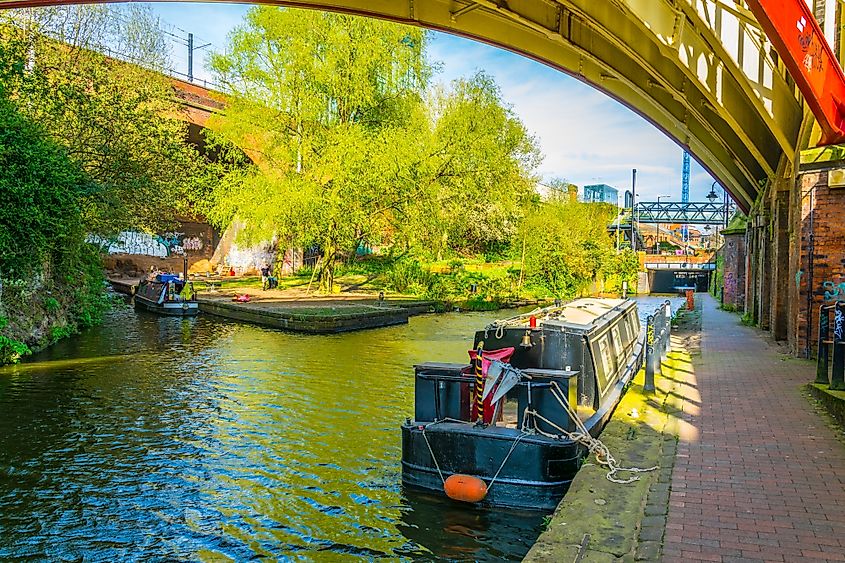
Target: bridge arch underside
x=668, y=62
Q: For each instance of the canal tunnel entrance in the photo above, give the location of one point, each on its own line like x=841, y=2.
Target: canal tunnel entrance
x=667, y=281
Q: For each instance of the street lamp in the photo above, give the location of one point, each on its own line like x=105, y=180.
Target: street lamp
x=711, y=197
x=657, y=233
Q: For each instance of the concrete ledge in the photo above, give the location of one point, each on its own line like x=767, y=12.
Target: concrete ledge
x=832, y=401
x=374, y=317
x=603, y=521
x=126, y=287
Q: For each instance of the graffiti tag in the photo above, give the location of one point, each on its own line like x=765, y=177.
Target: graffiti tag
x=838, y=320
x=833, y=291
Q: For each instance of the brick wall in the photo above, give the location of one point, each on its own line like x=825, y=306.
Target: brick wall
x=820, y=273
x=733, y=280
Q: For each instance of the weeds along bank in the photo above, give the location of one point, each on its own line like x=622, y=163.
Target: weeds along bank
x=88, y=145
x=52, y=283
x=483, y=285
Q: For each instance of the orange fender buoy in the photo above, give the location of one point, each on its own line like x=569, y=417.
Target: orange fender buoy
x=465, y=488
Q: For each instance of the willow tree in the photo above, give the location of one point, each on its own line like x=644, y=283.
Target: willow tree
x=329, y=108
x=480, y=163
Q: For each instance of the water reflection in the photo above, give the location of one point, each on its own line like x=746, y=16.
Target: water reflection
x=201, y=439
x=207, y=440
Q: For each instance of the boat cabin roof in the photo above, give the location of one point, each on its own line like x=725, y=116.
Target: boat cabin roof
x=581, y=314
x=587, y=311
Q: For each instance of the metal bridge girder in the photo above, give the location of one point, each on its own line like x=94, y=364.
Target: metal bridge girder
x=691, y=213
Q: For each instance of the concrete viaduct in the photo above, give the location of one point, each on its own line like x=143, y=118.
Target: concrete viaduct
x=705, y=73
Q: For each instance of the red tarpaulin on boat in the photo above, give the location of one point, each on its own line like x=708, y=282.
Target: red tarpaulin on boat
x=487, y=356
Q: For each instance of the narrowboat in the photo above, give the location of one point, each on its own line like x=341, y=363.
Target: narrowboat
x=167, y=294
x=505, y=424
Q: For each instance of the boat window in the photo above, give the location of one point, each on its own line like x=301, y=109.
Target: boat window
x=586, y=384
x=619, y=345
x=634, y=323
x=605, y=364
x=624, y=331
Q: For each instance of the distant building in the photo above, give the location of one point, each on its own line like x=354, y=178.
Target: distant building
x=559, y=192
x=601, y=193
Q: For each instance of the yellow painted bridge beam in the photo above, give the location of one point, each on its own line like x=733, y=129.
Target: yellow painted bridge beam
x=699, y=70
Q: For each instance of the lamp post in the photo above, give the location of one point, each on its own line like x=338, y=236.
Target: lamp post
x=657, y=232
x=712, y=197
x=634, y=225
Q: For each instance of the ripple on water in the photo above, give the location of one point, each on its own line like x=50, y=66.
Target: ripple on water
x=198, y=439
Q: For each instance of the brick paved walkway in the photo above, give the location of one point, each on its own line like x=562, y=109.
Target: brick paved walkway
x=764, y=478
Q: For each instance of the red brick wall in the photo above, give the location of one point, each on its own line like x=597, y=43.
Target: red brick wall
x=821, y=261
x=733, y=281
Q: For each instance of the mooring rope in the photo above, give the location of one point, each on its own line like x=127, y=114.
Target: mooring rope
x=504, y=461
x=582, y=436
x=501, y=324
x=437, y=465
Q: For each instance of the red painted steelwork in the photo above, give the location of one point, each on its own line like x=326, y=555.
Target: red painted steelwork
x=799, y=41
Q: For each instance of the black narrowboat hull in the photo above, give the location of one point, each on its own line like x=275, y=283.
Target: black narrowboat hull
x=578, y=362
x=536, y=474
x=174, y=309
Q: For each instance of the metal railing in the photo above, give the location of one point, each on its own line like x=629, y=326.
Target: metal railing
x=658, y=331
x=831, y=334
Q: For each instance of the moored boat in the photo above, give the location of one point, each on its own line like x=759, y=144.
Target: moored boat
x=502, y=430
x=167, y=294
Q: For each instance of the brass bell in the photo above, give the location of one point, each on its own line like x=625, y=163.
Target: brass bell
x=526, y=340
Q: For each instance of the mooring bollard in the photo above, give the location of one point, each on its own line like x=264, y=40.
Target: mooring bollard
x=824, y=346
x=667, y=310
x=648, y=386
x=837, y=374
x=664, y=352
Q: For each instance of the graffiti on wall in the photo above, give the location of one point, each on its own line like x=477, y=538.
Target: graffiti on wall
x=834, y=291
x=145, y=244
x=730, y=284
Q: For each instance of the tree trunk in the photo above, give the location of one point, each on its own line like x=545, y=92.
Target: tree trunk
x=329, y=259
x=443, y=241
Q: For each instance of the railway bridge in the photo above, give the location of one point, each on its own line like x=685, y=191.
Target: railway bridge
x=752, y=91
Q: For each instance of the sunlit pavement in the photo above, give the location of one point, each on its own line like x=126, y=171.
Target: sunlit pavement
x=758, y=475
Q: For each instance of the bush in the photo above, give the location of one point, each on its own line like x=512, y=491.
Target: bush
x=10, y=350
x=407, y=276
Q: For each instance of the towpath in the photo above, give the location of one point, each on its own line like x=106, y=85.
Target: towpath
x=758, y=475
x=750, y=470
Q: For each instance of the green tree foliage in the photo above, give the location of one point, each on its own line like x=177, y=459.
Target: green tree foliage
x=329, y=109
x=480, y=164
x=118, y=121
x=42, y=248
x=40, y=219
x=567, y=245
x=88, y=144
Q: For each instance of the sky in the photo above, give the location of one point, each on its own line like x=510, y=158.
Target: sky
x=586, y=137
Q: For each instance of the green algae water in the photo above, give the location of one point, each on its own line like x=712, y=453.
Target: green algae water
x=204, y=440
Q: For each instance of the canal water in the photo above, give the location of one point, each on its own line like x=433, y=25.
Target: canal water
x=198, y=439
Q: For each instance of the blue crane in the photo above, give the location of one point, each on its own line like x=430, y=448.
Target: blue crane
x=685, y=190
